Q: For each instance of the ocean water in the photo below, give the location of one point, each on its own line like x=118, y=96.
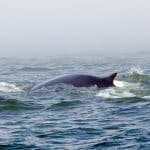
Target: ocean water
x=68, y=118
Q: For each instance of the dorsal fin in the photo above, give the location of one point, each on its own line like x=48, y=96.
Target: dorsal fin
x=112, y=76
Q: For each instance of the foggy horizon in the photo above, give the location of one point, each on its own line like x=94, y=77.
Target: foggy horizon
x=45, y=28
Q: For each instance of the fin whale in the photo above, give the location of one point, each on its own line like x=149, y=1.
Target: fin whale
x=80, y=80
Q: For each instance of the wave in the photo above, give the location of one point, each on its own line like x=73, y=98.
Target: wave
x=137, y=75
x=64, y=105
x=7, y=87
x=12, y=104
x=122, y=90
x=34, y=69
x=115, y=93
x=146, y=97
x=8, y=104
x=124, y=84
x=135, y=71
x=16, y=146
x=136, y=84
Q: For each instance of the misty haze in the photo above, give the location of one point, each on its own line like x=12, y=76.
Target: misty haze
x=33, y=27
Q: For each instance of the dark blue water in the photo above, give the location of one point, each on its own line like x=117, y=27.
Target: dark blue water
x=65, y=117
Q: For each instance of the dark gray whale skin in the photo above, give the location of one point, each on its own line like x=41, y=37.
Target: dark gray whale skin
x=80, y=80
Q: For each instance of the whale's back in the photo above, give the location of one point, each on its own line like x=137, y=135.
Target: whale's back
x=79, y=80
x=75, y=80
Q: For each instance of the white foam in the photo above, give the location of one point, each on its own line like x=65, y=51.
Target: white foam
x=7, y=87
x=123, y=84
x=146, y=97
x=119, y=83
x=121, y=90
x=135, y=70
x=113, y=93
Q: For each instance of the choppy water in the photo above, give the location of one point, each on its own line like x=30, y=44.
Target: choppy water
x=65, y=117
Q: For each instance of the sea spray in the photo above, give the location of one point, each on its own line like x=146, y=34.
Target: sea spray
x=121, y=90
x=7, y=87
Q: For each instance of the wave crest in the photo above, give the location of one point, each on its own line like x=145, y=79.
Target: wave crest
x=135, y=71
x=28, y=69
x=7, y=87
x=122, y=90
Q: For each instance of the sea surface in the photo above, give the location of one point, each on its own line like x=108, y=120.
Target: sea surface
x=64, y=117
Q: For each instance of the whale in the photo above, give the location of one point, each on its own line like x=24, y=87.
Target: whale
x=79, y=80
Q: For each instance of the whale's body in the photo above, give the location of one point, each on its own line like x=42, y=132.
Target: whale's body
x=80, y=80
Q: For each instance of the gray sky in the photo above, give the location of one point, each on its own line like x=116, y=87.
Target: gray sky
x=46, y=27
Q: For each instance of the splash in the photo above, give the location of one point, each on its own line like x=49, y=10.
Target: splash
x=124, y=89
x=135, y=71
x=113, y=93
x=121, y=90
x=123, y=84
x=146, y=97
x=7, y=87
